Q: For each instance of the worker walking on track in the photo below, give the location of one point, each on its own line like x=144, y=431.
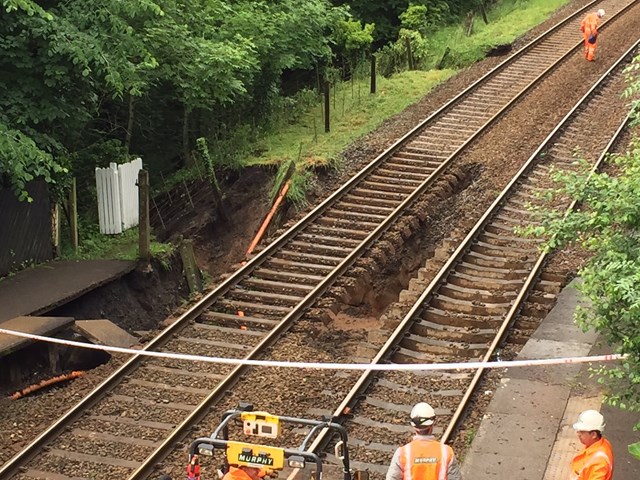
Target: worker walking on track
x=595, y=462
x=589, y=28
x=424, y=458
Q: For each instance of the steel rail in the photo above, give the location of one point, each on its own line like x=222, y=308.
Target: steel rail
x=94, y=396
x=352, y=398
x=201, y=411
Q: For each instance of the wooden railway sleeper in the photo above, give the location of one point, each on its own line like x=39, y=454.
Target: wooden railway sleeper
x=399, y=172
x=287, y=265
x=354, y=197
x=472, y=294
x=412, y=183
x=434, y=315
x=347, y=232
x=492, y=272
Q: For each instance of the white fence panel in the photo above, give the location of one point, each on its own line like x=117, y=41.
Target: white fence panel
x=128, y=178
x=118, y=196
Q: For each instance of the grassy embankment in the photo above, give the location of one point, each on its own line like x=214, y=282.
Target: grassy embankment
x=354, y=112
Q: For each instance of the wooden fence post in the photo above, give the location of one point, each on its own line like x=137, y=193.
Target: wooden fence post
x=468, y=23
x=191, y=270
x=73, y=215
x=373, y=74
x=411, y=64
x=144, y=228
x=55, y=229
x=442, y=61
x=483, y=12
x=327, y=125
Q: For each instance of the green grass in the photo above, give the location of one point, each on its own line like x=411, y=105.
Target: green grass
x=124, y=246
x=508, y=19
x=355, y=112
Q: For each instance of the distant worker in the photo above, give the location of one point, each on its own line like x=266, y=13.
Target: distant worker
x=589, y=28
x=243, y=472
x=424, y=458
x=595, y=462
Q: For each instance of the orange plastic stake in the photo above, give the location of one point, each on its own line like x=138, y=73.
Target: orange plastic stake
x=267, y=220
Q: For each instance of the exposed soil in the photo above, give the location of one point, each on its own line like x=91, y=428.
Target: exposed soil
x=142, y=300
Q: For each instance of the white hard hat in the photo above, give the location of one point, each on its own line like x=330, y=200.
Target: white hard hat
x=601, y=12
x=589, y=420
x=422, y=415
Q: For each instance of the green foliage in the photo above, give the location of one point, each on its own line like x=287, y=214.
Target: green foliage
x=634, y=449
x=422, y=18
x=95, y=245
x=311, y=150
x=203, y=151
x=74, y=73
x=632, y=73
x=394, y=58
x=83, y=163
x=28, y=6
x=607, y=225
x=22, y=161
x=354, y=38
x=508, y=19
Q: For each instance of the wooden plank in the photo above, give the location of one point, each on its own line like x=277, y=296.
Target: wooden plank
x=105, y=332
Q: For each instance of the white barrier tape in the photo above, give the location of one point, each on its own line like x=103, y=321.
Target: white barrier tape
x=323, y=366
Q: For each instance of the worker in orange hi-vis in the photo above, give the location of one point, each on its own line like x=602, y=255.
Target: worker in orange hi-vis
x=589, y=28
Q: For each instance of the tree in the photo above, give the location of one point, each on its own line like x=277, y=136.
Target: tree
x=57, y=63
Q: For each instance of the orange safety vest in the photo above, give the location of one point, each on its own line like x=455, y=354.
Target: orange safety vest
x=593, y=463
x=425, y=460
x=235, y=473
x=589, y=25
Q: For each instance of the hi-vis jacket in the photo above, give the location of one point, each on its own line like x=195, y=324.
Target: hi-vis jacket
x=235, y=473
x=424, y=458
x=589, y=24
x=593, y=463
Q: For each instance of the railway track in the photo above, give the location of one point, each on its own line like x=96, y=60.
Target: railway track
x=469, y=307
x=156, y=401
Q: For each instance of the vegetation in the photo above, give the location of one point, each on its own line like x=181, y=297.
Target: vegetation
x=211, y=85
x=607, y=225
x=94, y=245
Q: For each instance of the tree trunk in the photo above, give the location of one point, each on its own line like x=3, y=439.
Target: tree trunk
x=407, y=42
x=127, y=138
x=483, y=11
x=186, y=157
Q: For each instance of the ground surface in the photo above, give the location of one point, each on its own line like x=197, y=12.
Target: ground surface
x=473, y=183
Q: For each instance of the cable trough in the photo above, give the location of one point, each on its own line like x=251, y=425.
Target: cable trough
x=130, y=422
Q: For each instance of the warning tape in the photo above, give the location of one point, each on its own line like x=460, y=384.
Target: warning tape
x=324, y=366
